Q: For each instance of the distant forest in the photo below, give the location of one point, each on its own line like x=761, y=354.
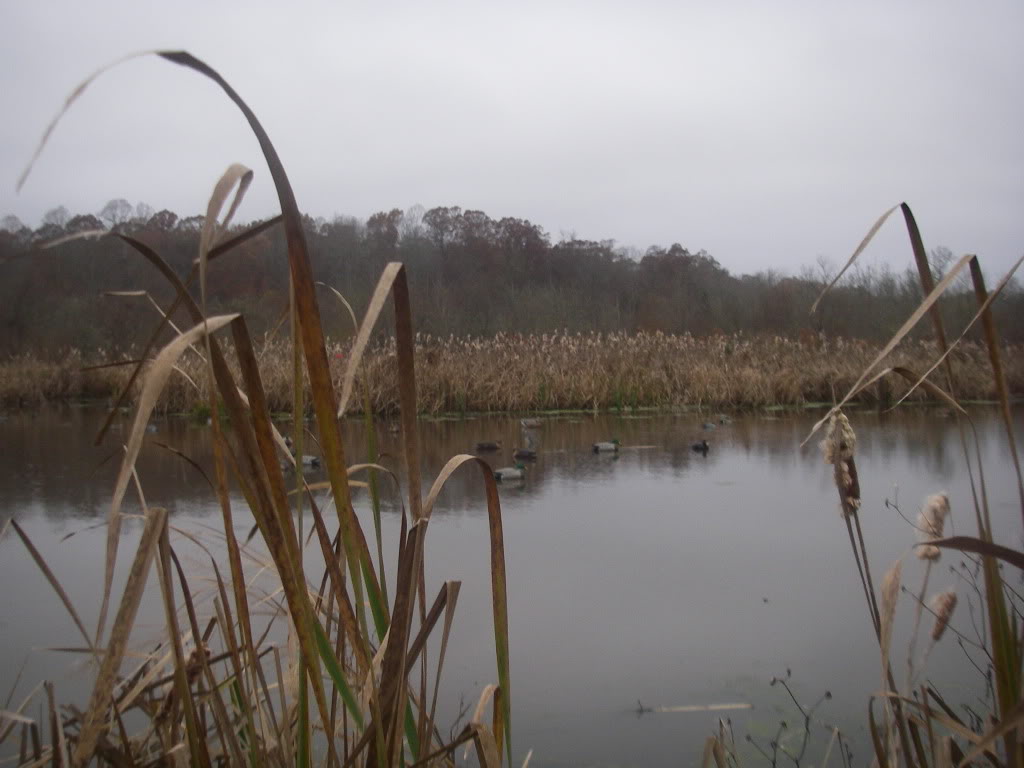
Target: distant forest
x=469, y=274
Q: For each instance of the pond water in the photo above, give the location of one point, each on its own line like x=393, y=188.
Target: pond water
x=659, y=575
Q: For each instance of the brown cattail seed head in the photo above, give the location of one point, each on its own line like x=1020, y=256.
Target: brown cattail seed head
x=838, y=448
x=942, y=605
x=840, y=441
x=931, y=521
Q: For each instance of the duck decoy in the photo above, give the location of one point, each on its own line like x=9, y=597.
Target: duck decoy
x=306, y=461
x=518, y=472
x=708, y=426
x=701, y=447
x=530, y=423
x=488, y=445
x=612, y=446
x=524, y=453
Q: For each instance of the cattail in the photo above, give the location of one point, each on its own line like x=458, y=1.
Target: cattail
x=838, y=448
x=942, y=605
x=890, y=594
x=930, y=522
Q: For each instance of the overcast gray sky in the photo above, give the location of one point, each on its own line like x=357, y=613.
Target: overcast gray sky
x=766, y=133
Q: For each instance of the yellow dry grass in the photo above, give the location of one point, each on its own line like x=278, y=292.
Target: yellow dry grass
x=513, y=372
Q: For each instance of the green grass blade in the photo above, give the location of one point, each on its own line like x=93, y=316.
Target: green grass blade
x=337, y=674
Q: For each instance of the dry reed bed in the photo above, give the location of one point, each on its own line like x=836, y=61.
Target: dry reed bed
x=513, y=372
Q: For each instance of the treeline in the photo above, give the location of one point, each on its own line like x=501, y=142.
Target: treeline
x=470, y=274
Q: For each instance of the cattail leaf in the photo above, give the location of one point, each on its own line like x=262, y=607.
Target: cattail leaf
x=1011, y=723
x=373, y=310
x=71, y=99
x=94, y=719
x=499, y=593
x=337, y=674
x=709, y=745
x=992, y=343
x=197, y=743
x=273, y=513
x=946, y=717
x=236, y=174
x=907, y=326
x=52, y=579
x=14, y=717
x=931, y=388
x=156, y=378
x=860, y=249
x=451, y=597
x=719, y=754
x=348, y=307
x=6, y=729
x=1005, y=648
x=58, y=742
x=487, y=751
x=995, y=357
x=476, y=719
x=887, y=613
x=980, y=547
x=881, y=754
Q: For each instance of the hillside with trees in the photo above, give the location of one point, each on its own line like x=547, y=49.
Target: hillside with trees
x=470, y=274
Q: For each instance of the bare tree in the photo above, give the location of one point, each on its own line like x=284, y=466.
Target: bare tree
x=57, y=217
x=116, y=212
x=143, y=213
x=11, y=223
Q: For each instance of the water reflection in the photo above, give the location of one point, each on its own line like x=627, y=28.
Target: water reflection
x=654, y=573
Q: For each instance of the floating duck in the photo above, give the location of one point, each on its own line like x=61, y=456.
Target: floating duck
x=518, y=472
x=702, y=447
x=530, y=423
x=306, y=461
x=612, y=446
x=524, y=453
x=723, y=419
x=708, y=425
x=488, y=445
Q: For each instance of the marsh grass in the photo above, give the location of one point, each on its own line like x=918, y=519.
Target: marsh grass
x=349, y=684
x=559, y=371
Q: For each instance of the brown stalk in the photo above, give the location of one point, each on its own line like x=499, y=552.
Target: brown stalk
x=988, y=324
x=237, y=662
x=50, y=577
x=276, y=522
x=94, y=720
x=197, y=740
x=309, y=317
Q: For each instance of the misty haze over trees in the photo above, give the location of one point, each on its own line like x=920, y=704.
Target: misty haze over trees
x=469, y=274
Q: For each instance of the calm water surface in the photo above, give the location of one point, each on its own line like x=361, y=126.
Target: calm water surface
x=659, y=575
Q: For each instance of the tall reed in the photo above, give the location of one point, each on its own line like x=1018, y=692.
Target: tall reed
x=918, y=727
x=555, y=371
x=345, y=683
